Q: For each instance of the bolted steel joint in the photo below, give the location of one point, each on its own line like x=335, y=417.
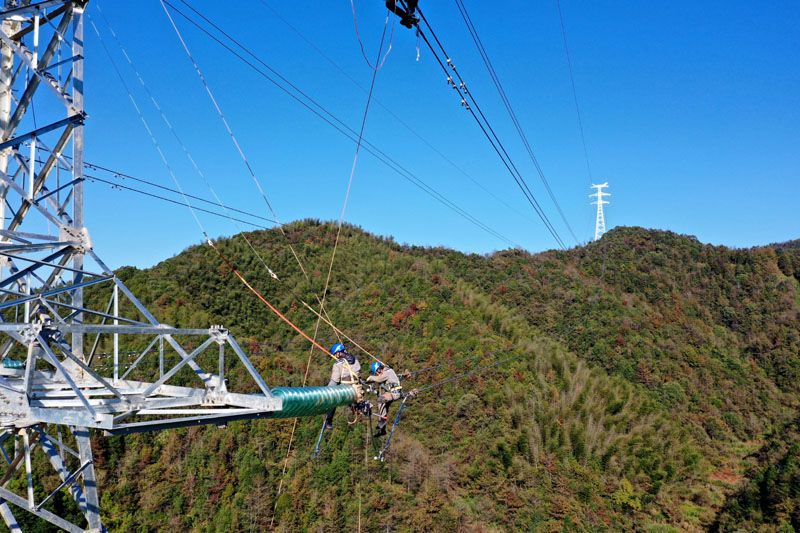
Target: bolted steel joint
x=218, y=333
x=78, y=237
x=31, y=332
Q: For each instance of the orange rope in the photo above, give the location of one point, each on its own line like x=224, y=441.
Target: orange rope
x=274, y=310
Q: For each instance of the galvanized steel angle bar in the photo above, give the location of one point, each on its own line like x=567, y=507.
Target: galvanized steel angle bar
x=102, y=404
x=54, y=519
x=26, y=443
x=202, y=374
x=9, y=518
x=36, y=263
x=30, y=368
x=177, y=391
x=89, y=480
x=56, y=151
x=62, y=208
x=22, y=236
x=3, y=438
x=48, y=166
x=97, y=338
x=47, y=18
x=27, y=202
x=62, y=62
x=77, y=328
x=67, y=478
x=44, y=61
x=142, y=309
x=249, y=366
x=24, y=195
x=147, y=329
x=51, y=358
x=157, y=425
x=8, y=249
x=57, y=190
x=54, y=292
x=29, y=8
x=48, y=442
x=70, y=417
x=14, y=466
x=4, y=384
x=214, y=411
x=69, y=481
x=166, y=403
x=19, y=139
x=22, y=52
x=86, y=369
x=138, y=359
x=174, y=370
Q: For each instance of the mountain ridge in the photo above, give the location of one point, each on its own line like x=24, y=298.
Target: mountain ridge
x=660, y=366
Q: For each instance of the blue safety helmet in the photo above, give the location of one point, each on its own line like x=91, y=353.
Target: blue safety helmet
x=338, y=347
x=373, y=369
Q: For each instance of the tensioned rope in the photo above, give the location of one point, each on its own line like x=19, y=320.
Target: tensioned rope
x=118, y=186
x=272, y=307
x=177, y=183
x=361, y=44
x=391, y=113
x=180, y=141
x=353, y=168
x=588, y=226
x=172, y=174
x=563, y=332
x=202, y=229
x=336, y=244
x=238, y=146
x=336, y=123
x=147, y=127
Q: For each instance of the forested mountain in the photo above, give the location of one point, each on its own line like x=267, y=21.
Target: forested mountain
x=655, y=389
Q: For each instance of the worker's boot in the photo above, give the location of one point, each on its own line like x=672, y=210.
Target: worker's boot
x=380, y=433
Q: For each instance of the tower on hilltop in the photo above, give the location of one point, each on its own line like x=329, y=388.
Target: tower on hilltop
x=600, y=225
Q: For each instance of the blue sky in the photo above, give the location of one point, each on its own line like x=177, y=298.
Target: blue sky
x=691, y=112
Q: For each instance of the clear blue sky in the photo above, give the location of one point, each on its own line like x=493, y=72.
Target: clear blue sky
x=691, y=112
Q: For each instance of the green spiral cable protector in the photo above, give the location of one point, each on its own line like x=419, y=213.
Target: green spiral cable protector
x=309, y=401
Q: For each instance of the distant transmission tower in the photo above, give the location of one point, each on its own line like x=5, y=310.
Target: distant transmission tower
x=600, y=225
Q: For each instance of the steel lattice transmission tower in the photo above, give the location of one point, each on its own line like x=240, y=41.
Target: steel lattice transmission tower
x=600, y=224
x=60, y=304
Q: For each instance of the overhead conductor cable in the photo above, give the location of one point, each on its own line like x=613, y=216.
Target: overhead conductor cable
x=336, y=123
x=244, y=159
x=496, y=80
x=466, y=97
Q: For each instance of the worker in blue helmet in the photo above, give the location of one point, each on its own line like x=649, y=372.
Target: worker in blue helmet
x=388, y=380
x=345, y=372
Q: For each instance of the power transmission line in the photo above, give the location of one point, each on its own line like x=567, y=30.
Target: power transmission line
x=335, y=122
x=574, y=92
x=183, y=204
x=496, y=80
x=391, y=113
x=486, y=127
x=119, y=174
